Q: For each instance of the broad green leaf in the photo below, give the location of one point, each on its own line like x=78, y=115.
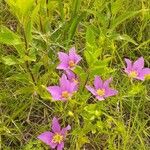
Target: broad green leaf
x=25, y=5
x=10, y=60
x=89, y=57
x=90, y=38
x=92, y=52
x=20, y=8
x=8, y=37
x=28, y=30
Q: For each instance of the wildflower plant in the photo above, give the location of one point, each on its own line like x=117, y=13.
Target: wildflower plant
x=101, y=89
x=64, y=91
x=136, y=69
x=56, y=137
x=69, y=59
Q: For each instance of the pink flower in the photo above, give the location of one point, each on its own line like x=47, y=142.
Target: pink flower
x=72, y=77
x=64, y=91
x=56, y=137
x=68, y=61
x=136, y=70
x=101, y=89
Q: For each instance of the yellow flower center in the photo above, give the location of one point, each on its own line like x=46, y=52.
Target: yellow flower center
x=57, y=138
x=65, y=94
x=100, y=92
x=71, y=63
x=133, y=74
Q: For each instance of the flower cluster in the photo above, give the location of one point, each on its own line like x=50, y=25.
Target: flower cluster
x=69, y=83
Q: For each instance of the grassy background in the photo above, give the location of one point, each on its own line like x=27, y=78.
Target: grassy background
x=104, y=33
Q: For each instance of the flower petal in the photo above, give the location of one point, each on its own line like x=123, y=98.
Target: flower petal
x=146, y=71
x=110, y=92
x=55, y=125
x=60, y=146
x=73, y=79
x=98, y=83
x=100, y=98
x=74, y=56
x=129, y=65
x=92, y=90
x=107, y=82
x=55, y=92
x=70, y=75
x=63, y=57
x=143, y=73
x=67, y=85
x=62, y=66
x=64, y=130
x=138, y=64
x=46, y=137
x=64, y=83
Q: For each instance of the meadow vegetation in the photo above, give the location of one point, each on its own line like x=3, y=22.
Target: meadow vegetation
x=104, y=33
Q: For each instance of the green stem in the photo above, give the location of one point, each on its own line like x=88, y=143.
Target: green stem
x=27, y=62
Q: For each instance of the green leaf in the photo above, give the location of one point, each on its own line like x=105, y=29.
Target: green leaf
x=90, y=38
x=28, y=30
x=74, y=23
x=34, y=15
x=89, y=57
x=116, y=6
x=75, y=7
x=100, y=67
x=125, y=37
x=81, y=141
x=20, y=8
x=24, y=6
x=10, y=60
x=94, y=109
x=92, y=52
x=8, y=37
x=120, y=19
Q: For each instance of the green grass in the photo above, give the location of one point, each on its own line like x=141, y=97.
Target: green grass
x=104, y=33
